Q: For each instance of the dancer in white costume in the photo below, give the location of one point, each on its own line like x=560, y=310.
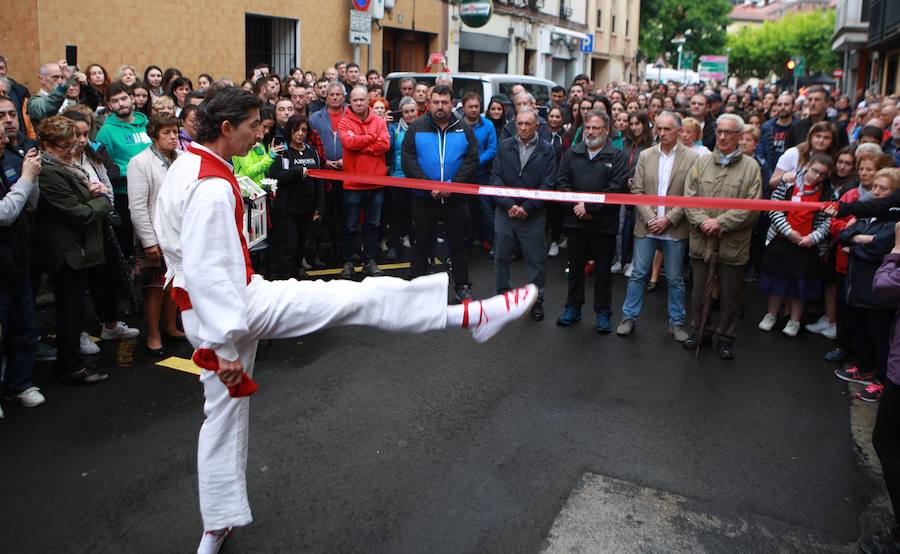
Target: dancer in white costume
x=226, y=309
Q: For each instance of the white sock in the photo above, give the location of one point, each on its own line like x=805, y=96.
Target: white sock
x=473, y=313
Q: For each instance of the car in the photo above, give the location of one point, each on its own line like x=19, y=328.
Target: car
x=487, y=85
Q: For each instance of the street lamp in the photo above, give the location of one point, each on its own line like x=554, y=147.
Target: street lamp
x=680, y=40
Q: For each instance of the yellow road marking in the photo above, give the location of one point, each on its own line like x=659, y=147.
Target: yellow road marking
x=358, y=269
x=181, y=364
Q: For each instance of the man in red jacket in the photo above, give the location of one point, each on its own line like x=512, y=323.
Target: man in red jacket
x=365, y=139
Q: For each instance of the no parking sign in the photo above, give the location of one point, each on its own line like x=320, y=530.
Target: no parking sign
x=361, y=5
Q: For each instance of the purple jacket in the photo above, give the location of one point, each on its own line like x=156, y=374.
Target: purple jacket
x=886, y=287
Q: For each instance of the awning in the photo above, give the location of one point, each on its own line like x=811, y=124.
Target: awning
x=569, y=33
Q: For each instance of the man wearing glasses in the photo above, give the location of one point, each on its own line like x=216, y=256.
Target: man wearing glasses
x=723, y=173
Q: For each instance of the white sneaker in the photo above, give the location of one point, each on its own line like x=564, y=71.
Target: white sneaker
x=831, y=332
x=628, y=270
x=792, y=328
x=406, y=241
x=120, y=331
x=554, y=250
x=768, y=322
x=30, y=397
x=564, y=243
x=518, y=302
x=212, y=541
x=87, y=346
x=616, y=268
x=820, y=325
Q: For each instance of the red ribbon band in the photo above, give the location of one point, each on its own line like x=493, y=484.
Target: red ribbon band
x=562, y=196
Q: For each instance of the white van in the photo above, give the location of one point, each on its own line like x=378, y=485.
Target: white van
x=487, y=85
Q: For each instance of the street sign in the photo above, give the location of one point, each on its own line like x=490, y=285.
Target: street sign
x=476, y=13
x=587, y=45
x=361, y=5
x=800, y=70
x=713, y=68
x=360, y=27
x=837, y=73
x=687, y=60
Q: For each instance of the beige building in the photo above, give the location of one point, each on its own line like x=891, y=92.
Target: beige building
x=615, y=25
x=224, y=38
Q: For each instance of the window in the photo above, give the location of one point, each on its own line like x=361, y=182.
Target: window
x=271, y=40
x=626, y=27
x=600, y=20
x=612, y=28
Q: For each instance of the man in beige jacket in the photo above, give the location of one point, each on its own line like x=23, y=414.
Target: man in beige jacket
x=723, y=173
x=661, y=170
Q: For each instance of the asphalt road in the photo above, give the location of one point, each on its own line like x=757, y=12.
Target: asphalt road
x=364, y=441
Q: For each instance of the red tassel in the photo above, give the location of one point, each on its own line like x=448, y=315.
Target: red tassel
x=207, y=359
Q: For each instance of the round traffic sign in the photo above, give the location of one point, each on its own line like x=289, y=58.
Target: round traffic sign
x=361, y=5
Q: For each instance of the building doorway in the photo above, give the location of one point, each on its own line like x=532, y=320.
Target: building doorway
x=404, y=50
x=271, y=40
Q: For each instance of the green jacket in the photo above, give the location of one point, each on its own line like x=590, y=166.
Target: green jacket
x=739, y=179
x=124, y=141
x=254, y=165
x=40, y=106
x=69, y=224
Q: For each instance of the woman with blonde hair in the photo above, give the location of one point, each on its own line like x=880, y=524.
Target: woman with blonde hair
x=126, y=74
x=691, y=135
x=163, y=106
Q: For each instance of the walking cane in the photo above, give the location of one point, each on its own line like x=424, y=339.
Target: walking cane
x=710, y=286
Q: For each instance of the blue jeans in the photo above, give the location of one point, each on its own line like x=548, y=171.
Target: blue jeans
x=641, y=264
x=370, y=202
x=18, y=319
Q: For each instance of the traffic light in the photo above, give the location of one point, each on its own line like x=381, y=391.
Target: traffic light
x=791, y=64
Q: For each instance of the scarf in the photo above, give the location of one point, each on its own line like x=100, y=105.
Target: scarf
x=72, y=168
x=166, y=161
x=726, y=159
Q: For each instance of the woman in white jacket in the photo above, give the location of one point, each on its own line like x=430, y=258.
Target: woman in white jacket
x=146, y=173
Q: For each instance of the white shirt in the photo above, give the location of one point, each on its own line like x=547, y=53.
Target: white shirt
x=789, y=160
x=666, y=163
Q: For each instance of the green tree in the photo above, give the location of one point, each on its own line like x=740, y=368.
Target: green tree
x=762, y=50
x=663, y=20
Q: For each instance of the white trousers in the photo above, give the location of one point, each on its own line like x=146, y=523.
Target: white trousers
x=286, y=309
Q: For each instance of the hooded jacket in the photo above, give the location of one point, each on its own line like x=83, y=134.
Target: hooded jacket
x=123, y=141
x=447, y=155
x=321, y=122
x=365, y=142
x=606, y=172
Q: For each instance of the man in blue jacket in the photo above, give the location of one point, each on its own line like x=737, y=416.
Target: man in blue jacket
x=482, y=207
x=523, y=161
x=440, y=147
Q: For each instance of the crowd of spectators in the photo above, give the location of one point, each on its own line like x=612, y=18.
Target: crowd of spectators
x=83, y=159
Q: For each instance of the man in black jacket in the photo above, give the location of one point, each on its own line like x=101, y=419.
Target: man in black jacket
x=440, y=147
x=18, y=318
x=699, y=108
x=816, y=104
x=523, y=161
x=592, y=166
